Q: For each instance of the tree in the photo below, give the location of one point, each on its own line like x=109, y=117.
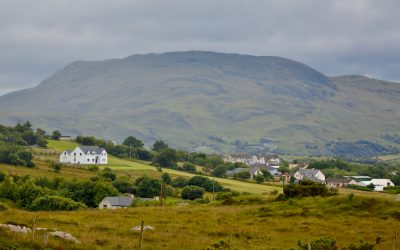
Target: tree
x=189, y=167
x=133, y=141
x=167, y=158
x=166, y=178
x=267, y=175
x=40, y=132
x=124, y=185
x=244, y=175
x=204, y=182
x=148, y=187
x=192, y=193
x=219, y=171
x=56, y=135
x=179, y=182
x=159, y=146
x=259, y=179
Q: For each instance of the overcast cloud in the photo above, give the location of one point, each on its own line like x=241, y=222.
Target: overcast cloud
x=335, y=37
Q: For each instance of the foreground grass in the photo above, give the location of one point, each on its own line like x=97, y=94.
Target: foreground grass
x=263, y=225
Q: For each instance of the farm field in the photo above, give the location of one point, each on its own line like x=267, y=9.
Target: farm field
x=258, y=223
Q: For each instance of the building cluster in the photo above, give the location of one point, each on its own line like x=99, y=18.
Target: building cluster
x=256, y=164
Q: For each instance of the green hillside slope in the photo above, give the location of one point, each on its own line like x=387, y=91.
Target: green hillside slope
x=215, y=102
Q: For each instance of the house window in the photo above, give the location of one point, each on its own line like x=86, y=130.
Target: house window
x=88, y=160
x=92, y=160
x=80, y=154
x=74, y=153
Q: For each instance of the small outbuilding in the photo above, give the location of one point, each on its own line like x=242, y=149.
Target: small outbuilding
x=116, y=202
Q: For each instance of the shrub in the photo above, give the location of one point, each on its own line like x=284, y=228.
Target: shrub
x=55, y=203
x=244, y=175
x=93, y=168
x=189, y=167
x=2, y=207
x=124, y=185
x=204, y=182
x=307, y=188
x=166, y=178
x=192, y=193
x=179, y=182
x=55, y=166
x=2, y=176
x=226, y=195
x=259, y=179
x=148, y=187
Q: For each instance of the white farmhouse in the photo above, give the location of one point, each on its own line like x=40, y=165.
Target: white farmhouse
x=84, y=155
x=309, y=174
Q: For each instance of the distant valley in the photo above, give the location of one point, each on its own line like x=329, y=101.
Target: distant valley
x=216, y=102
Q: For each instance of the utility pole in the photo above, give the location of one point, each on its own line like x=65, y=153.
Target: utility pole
x=130, y=150
x=213, y=191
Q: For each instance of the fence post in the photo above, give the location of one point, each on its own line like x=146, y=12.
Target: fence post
x=141, y=235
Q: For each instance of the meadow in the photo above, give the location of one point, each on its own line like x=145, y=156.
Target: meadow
x=252, y=221
x=257, y=223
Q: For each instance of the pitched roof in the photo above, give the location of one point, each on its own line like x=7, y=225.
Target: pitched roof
x=86, y=149
x=382, y=182
x=308, y=172
x=236, y=171
x=121, y=201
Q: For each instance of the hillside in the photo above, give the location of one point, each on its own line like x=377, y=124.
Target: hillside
x=215, y=102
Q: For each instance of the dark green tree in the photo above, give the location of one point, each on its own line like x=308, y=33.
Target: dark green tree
x=166, y=178
x=159, y=146
x=192, y=193
x=189, y=167
x=133, y=141
x=166, y=158
x=56, y=135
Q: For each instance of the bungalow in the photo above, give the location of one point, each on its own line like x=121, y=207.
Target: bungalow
x=339, y=182
x=379, y=184
x=84, y=155
x=310, y=174
x=115, y=202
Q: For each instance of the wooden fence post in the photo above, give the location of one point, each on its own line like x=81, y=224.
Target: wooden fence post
x=141, y=235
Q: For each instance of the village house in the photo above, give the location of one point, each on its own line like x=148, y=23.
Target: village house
x=379, y=184
x=84, y=155
x=339, y=182
x=310, y=174
x=272, y=159
x=243, y=158
x=115, y=202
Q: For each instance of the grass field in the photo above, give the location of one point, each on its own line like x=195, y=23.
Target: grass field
x=252, y=221
x=263, y=225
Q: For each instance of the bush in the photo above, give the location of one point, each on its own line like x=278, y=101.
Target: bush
x=219, y=171
x=189, y=167
x=204, y=182
x=55, y=203
x=3, y=207
x=55, y=166
x=244, y=175
x=192, y=193
x=259, y=179
x=124, y=185
x=148, y=187
x=226, y=195
x=179, y=182
x=307, y=188
x=2, y=176
x=93, y=168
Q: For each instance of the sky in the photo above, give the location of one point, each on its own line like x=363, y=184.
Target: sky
x=336, y=37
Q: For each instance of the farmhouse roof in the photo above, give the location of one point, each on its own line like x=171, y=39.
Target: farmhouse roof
x=236, y=171
x=86, y=149
x=308, y=172
x=121, y=201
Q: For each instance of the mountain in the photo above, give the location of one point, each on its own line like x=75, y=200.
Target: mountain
x=215, y=101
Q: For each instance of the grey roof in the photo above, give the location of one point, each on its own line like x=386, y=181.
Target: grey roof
x=337, y=180
x=236, y=171
x=68, y=151
x=310, y=178
x=122, y=201
x=308, y=172
x=90, y=149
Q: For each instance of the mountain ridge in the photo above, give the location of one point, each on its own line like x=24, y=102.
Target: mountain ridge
x=210, y=100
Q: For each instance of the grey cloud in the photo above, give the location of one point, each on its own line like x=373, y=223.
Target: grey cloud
x=336, y=37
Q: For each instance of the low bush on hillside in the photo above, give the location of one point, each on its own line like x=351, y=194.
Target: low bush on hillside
x=192, y=193
x=55, y=203
x=306, y=188
x=392, y=190
x=361, y=188
x=328, y=243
